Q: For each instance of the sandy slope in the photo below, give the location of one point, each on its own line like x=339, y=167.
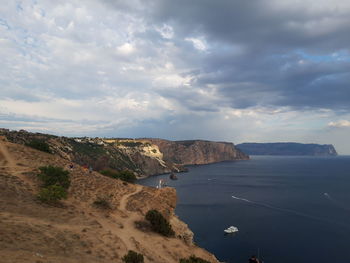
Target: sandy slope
x=77, y=231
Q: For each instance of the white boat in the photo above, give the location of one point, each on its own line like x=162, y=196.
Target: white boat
x=231, y=229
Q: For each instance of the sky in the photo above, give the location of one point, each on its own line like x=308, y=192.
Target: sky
x=224, y=70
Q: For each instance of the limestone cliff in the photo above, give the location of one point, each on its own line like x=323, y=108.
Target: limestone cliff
x=198, y=151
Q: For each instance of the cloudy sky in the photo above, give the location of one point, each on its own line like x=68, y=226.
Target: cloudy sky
x=237, y=70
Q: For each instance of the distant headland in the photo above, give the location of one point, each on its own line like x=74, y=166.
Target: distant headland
x=287, y=148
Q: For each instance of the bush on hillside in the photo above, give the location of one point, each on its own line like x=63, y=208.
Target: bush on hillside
x=39, y=145
x=125, y=175
x=102, y=203
x=193, y=259
x=52, y=194
x=55, y=183
x=53, y=175
x=110, y=173
x=159, y=224
x=133, y=257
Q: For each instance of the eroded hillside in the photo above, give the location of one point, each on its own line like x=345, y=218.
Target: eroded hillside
x=144, y=157
x=77, y=231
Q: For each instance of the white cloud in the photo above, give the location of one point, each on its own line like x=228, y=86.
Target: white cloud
x=339, y=124
x=198, y=43
x=126, y=49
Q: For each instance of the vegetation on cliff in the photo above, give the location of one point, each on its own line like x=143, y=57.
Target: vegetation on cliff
x=52, y=194
x=55, y=182
x=159, y=224
x=124, y=175
x=40, y=145
x=133, y=257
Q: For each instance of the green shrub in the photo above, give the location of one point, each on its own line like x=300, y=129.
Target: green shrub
x=159, y=224
x=52, y=175
x=109, y=173
x=102, y=203
x=133, y=257
x=125, y=175
x=129, y=143
x=52, y=194
x=193, y=259
x=39, y=145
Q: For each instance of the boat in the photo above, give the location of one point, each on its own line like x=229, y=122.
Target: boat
x=231, y=229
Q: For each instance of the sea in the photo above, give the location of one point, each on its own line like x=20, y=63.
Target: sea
x=287, y=209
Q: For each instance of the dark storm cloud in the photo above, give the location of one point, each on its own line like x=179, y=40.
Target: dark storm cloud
x=284, y=24
x=278, y=53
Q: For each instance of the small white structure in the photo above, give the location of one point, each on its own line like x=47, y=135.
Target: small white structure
x=161, y=183
x=231, y=229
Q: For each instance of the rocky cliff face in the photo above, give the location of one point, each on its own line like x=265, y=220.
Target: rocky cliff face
x=198, y=151
x=288, y=149
x=144, y=157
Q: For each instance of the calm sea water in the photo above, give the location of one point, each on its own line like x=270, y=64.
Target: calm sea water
x=287, y=209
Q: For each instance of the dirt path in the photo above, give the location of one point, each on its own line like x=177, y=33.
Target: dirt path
x=9, y=164
x=7, y=160
x=125, y=198
x=138, y=239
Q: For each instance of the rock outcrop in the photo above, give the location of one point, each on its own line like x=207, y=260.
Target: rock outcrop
x=287, y=148
x=198, y=151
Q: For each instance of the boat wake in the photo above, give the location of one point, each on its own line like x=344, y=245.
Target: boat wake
x=285, y=210
x=243, y=199
x=275, y=207
x=290, y=211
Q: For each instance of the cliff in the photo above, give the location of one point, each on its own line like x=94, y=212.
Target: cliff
x=77, y=230
x=289, y=148
x=139, y=156
x=144, y=157
x=198, y=151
